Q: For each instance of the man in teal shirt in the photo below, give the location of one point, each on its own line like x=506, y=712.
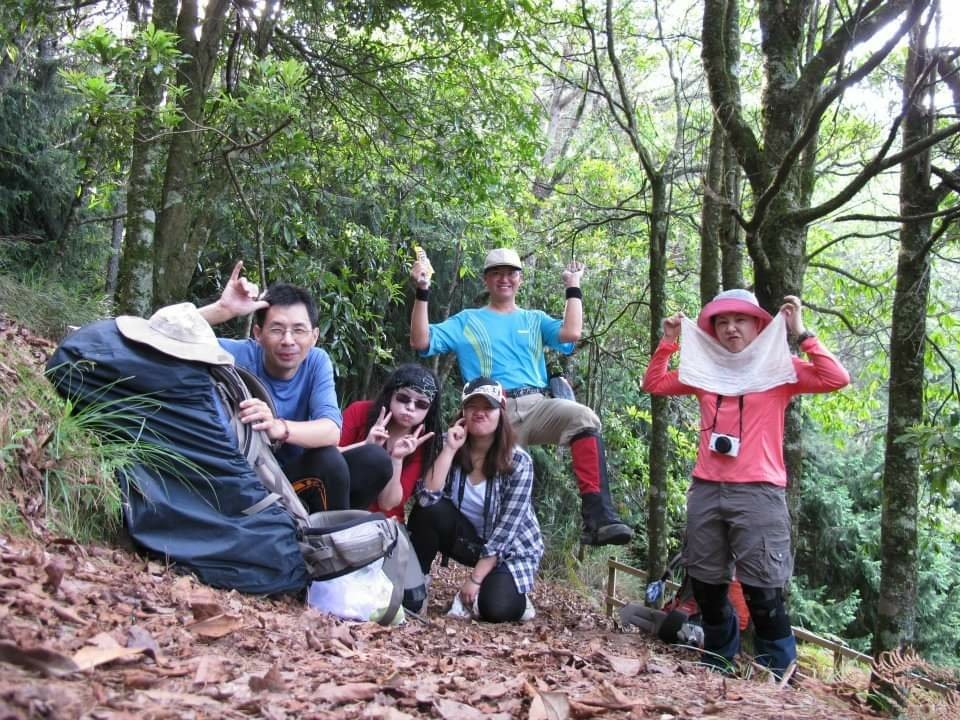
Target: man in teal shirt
x=506, y=342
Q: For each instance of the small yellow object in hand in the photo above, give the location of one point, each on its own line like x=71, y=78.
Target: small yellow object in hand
x=424, y=260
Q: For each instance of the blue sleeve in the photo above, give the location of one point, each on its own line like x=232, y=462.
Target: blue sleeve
x=323, y=394
x=516, y=498
x=242, y=351
x=550, y=332
x=445, y=336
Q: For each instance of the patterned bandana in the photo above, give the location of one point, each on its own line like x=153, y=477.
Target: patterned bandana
x=416, y=378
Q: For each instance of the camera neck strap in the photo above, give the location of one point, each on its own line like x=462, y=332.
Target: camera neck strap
x=716, y=414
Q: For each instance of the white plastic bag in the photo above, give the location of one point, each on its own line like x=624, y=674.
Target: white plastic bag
x=459, y=610
x=363, y=594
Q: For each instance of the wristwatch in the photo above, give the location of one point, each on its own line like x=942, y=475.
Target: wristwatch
x=805, y=335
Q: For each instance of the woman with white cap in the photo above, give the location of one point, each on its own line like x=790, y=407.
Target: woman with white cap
x=475, y=505
x=741, y=371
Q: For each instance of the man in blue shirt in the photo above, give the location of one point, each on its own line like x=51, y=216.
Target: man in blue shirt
x=299, y=377
x=506, y=342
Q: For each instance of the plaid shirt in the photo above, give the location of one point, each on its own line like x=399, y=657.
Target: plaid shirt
x=513, y=533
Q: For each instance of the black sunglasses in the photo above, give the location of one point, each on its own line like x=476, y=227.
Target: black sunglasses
x=405, y=399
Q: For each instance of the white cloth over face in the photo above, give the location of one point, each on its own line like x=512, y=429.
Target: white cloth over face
x=763, y=364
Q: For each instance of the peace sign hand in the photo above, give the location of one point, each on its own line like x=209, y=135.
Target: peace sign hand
x=378, y=432
x=240, y=295
x=409, y=443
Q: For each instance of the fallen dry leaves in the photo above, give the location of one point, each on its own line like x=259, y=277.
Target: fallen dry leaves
x=92, y=632
x=99, y=633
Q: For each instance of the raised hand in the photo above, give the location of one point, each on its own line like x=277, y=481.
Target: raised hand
x=409, y=443
x=378, y=432
x=572, y=273
x=671, y=327
x=792, y=312
x=241, y=296
x=457, y=434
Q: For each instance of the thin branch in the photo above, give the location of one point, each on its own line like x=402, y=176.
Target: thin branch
x=849, y=275
x=102, y=219
x=830, y=243
x=843, y=318
x=949, y=212
x=870, y=170
x=954, y=386
x=258, y=232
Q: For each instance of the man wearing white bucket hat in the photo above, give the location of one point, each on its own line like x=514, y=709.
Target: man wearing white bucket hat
x=506, y=342
x=737, y=362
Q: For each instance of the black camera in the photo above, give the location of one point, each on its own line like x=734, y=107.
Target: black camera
x=725, y=444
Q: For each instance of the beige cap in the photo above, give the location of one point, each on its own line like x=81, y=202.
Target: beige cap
x=502, y=257
x=179, y=331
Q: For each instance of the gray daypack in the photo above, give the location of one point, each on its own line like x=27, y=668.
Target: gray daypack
x=332, y=543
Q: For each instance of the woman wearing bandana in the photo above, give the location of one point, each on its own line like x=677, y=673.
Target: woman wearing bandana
x=404, y=419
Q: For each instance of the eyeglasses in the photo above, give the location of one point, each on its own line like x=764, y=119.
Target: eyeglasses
x=299, y=332
x=418, y=403
x=502, y=273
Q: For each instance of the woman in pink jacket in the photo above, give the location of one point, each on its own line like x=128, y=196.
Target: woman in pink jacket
x=737, y=518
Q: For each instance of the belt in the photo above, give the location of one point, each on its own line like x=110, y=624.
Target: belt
x=524, y=390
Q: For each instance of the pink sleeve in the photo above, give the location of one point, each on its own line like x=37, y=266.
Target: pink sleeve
x=659, y=379
x=822, y=372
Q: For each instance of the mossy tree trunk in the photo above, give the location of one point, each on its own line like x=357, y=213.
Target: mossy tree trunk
x=134, y=291
x=177, y=241
x=919, y=201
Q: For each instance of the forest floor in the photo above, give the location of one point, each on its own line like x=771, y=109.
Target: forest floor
x=88, y=631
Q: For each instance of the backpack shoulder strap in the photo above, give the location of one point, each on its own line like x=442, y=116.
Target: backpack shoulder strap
x=234, y=385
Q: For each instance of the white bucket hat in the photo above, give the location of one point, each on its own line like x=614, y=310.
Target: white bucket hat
x=179, y=331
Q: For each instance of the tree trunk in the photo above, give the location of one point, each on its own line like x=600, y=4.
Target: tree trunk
x=660, y=451
x=177, y=244
x=113, y=262
x=896, y=616
x=731, y=236
x=134, y=294
x=711, y=221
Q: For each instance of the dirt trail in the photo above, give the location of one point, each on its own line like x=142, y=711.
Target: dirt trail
x=101, y=633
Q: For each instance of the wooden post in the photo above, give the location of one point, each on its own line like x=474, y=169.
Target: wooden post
x=611, y=585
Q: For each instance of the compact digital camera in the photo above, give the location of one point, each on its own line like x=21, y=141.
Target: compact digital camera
x=725, y=444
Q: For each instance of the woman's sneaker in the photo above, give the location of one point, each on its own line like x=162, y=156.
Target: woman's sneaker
x=529, y=612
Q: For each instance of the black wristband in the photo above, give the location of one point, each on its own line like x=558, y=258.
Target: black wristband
x=805, y=335
x=422, y=294
x=574, y=292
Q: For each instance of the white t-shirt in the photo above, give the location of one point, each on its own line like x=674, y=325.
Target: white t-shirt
x=472, y=505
